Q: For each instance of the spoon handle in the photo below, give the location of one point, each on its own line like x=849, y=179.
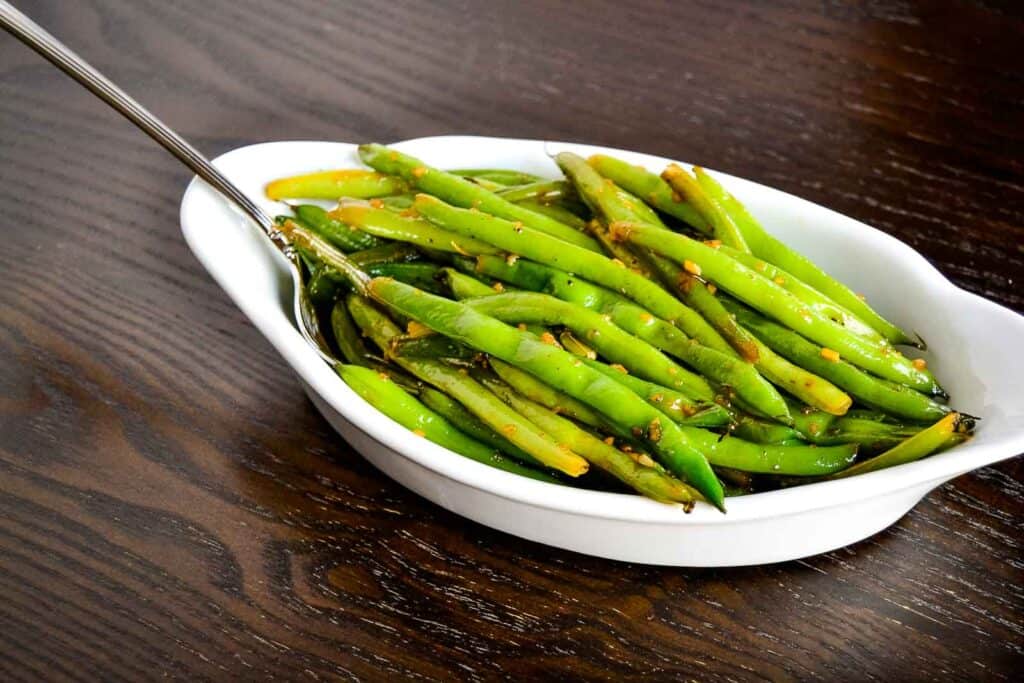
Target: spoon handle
x=65, y=59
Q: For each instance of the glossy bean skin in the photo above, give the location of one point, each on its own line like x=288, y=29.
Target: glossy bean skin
x=678, y=406
x=462, y=192
x=723, y=228
x=389, y=398
x=386, y=224
x=559, y=369
x=722, y=368
x=945, y=433
x=468, y=423
x=335, y=231
x=638, y=472
x=612, y=342
x=893, y=398
x=617, y=205
x=597, y=268
x=476, y=398
x=779, y=304
x=649, y=187
x=764, y=245
x=335, y=185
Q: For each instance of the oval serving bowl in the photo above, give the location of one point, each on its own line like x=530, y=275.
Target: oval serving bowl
x=975, y=346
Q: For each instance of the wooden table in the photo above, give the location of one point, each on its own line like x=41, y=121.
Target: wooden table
x=172, y=505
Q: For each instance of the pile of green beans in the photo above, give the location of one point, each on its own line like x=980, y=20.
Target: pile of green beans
x=613, y=329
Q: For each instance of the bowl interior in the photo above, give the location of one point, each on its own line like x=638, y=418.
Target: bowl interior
x=973, y=343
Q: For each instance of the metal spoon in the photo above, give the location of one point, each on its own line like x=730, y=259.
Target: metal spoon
x=37, y=38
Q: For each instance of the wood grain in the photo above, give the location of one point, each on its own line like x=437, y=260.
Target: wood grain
x=172, y=506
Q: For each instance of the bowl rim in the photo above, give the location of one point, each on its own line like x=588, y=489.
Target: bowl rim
x=274, y=322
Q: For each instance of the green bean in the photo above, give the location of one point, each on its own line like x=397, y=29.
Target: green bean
x=761, y=431
x=721, y=368
x=811, y=297
x=422, y=275
x=322, y=286
x=555, y=211
x=476, y=398
x=389, y=225
x=561, y=370
x=468, y=423
x=335, y=185
x=549, y=397
x=638, y=472
x=500, y=176
x=400, y=202
x=941, y=435
x=391, y=252
x=462, y=192
x=878, y=393
x=616, y=205
x=347, y=337
x=808, y=387
x=611, y=341
x=681, y=408
x=773, y=300
x=597, y=268
x=766, y=246
x=650, y=187
x=809, y=422
x=801, y=461
x=535, y=190
x=872, y=436
x=337, y=233
x=722, y=225
x=465, y=287
x=393, y=401
x=433, y=346
x=634, y=259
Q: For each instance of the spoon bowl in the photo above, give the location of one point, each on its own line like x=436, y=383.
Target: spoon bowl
x=974, y=349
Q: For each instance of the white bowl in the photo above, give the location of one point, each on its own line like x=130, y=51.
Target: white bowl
x=975, y=352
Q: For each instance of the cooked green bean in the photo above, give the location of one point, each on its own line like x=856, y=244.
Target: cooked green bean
x=403, y=408
x=523, y=241
x=555, y=211
x=941, y=435
x=347, y=336
x=722, y=225
x=800, y=461
x=500, y=176
x=462, y=192
x=389, y=225
x=801, y=290
x=888, y=396
x=650, y=187
x=390, y=252
x=771, y=249
x=468, y=423
x=612, y=342
x=639, y=472
x=678, y=406
x=535, y=190
x=335, y=185
x=337, y=233
x=773, y=300
x=719, y=367
x=808, y=387
x=549, y=397
x=559, y=369
x=465, y=287
x=476, y=398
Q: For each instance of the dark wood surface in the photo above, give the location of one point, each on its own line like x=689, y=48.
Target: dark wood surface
x=172, y=505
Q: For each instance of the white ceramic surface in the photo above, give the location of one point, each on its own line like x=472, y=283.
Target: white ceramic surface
x=975, y=352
